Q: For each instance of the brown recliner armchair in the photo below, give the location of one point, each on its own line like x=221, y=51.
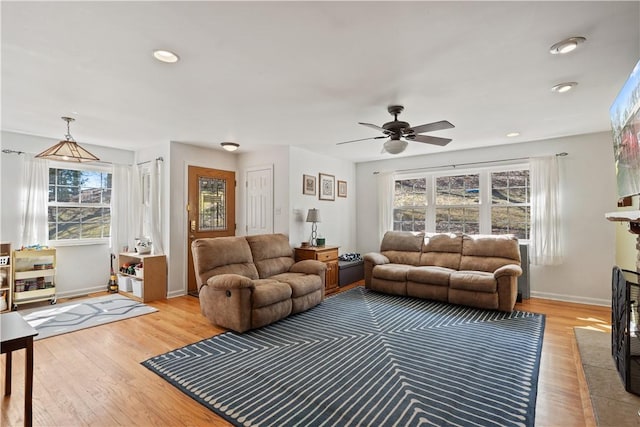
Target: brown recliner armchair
x=249, y=282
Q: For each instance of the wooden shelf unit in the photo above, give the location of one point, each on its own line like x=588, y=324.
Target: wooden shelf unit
x=154, y=275
x=6, y=276
x=24, y=263
x=326, y=254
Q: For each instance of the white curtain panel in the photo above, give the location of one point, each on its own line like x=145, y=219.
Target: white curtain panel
x=155, y=204
x=34, y=201
x=546, y=244
x=386, y=183
x=125, y=207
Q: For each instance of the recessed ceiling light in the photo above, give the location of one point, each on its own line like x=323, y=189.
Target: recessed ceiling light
x=563, y=87
x=513, y=134
x=165, y=56
x=566, y=45
x=230, y=146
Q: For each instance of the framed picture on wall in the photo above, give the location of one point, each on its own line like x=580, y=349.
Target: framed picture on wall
x=309, y=185
x=327, y=189
x=342, y=188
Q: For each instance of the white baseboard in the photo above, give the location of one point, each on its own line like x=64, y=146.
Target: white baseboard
x=571, y=298
x=81, y=292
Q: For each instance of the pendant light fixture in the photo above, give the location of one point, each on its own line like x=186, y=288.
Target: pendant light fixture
x=68, y=150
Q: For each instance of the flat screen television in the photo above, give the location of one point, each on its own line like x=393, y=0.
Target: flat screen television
x=625, y=123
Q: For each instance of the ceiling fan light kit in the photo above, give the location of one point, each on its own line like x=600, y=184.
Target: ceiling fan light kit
x=397, y=129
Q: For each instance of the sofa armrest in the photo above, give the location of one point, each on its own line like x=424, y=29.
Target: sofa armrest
x=508, y=270
x=223, y=282
x=376, y=258
x=309, y=266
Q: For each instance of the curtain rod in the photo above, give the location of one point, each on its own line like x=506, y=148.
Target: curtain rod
x=469, y=164
x=149, y=161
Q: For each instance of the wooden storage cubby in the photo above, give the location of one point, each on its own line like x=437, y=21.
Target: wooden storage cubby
x=6, y=276
x=28, y=273
x=154, y=275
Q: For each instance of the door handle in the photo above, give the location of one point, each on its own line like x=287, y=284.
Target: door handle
x=193, y=225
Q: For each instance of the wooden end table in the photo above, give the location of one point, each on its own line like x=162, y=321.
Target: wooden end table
x=15, y=334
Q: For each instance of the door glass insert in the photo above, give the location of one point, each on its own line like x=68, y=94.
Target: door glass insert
x=212, y=194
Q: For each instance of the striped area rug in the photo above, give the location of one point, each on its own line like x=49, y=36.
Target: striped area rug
x=368, y=359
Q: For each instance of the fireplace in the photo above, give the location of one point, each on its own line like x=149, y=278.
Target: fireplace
x=625, y=327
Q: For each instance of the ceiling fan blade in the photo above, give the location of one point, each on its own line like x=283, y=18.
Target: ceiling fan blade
x=443, y=124
x=373, y=126
x=363, y=139
x=431, y=140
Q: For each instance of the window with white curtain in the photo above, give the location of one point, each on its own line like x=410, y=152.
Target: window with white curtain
x=79, y=208
x=486, y=201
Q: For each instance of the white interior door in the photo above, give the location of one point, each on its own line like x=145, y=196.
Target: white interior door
x=260, y=200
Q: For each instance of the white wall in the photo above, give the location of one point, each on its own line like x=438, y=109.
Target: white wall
x=588, y=191
x=338, y=217
x=81, y=269
x=180, y=158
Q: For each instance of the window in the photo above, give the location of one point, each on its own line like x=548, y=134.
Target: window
x=489, y=201
x=510, y=203
x=410, y=202
x=458, y=204
x=79, y=204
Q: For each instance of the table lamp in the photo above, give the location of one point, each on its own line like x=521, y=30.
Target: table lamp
x=313, y=216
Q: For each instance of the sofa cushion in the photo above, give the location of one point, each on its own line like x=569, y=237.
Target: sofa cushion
x=402, y=247
x=396, y=272
x=431, y=275
x=222, y=255
x=269, y=292
x=478, y=281
x=300, y=283
x=488, y=253
x=442, y=250
x=272, y=254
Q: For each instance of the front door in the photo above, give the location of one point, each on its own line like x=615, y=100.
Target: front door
x=211, y=209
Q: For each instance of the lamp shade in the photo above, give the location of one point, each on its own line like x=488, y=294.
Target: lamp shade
x=67, y=150
x=395, y=146
x=313, y=215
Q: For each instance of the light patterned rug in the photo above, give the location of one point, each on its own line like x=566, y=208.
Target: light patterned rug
x=86, y=313
x=612, y=405
x=368, y=359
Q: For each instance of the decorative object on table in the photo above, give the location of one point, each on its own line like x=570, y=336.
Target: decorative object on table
x=143, y=245
x=396, y=355
x=320, y=241
x=327, y=188
x=81, y=314
x=68, y=150
x=313, y=216
x=309, y=185
x=113, y=279
x=342, y=188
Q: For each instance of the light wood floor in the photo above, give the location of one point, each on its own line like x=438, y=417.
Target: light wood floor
x=94, y=377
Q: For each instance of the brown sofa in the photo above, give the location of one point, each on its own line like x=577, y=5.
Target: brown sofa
x=249, y=282
x=474, y=270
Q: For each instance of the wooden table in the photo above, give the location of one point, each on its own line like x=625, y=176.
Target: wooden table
x=16, y=333
x=326, y=254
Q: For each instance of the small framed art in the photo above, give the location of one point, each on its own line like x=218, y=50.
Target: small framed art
x=342, y=188
x=309, y=185
x=327, y=188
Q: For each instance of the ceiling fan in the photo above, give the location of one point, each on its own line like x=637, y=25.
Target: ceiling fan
x=397, y=129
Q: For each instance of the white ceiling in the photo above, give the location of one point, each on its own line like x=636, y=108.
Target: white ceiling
x=304, y=73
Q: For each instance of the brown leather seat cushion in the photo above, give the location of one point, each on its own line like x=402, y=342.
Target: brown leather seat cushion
x=301, y=284
x=478, y=281
x=431, y=275
x=269, y=292
x=397, y=272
